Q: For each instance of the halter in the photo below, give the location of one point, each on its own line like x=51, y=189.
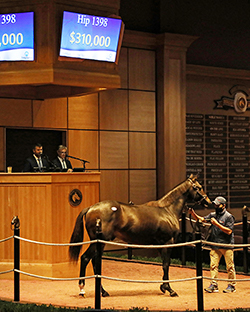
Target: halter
x=198, y=224
x=198, y=190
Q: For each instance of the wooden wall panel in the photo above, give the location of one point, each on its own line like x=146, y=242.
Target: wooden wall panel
x=114, y=110
x=83, y=112
x=84, y=145
x=142, y=111
x=2, y=150
x=123, y=68
x=50, y=113
x=142, y=186
x=141, y=70
x=113, y=150
x=67, y=214
x=15, y=113
x=114, y=185
x=25, y=203
x=142, y=150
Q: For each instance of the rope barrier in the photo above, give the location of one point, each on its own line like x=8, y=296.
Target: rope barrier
x=54, y=244
x=6, y=239
x=125, y=280
x=144, y=281
x=149, y=246
x=54, y=278
x=228, y=280
x=225, y=245
x=105, y=277
x=8, y=271
x=192, y=243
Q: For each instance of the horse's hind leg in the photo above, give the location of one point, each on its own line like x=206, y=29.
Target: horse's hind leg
x=103, y=291
x=166, y=253
x=85, y=258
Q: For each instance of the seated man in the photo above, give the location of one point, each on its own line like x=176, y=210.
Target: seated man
x=35, y=163
x=61, y=161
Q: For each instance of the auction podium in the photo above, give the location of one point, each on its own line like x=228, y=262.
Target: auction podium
x=47, y=205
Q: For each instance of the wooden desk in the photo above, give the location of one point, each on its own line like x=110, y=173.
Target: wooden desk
x=41, y=201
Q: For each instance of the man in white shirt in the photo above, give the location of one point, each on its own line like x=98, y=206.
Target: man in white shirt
x=61, y=161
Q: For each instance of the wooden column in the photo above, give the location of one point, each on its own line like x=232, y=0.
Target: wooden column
x=171, y=109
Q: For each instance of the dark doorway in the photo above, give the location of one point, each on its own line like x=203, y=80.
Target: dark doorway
x=19, y=143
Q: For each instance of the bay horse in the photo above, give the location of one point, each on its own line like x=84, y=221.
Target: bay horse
x=152, y=223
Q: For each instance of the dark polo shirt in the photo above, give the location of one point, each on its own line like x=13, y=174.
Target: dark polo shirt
x=218, y=236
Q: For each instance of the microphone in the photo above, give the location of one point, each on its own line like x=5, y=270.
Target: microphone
x=48, y=160
x=77, y=158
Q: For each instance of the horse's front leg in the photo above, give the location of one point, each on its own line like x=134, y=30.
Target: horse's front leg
x=165, y=254
x=85, y=258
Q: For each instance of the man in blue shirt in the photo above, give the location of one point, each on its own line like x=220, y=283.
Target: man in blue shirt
x=221, y=232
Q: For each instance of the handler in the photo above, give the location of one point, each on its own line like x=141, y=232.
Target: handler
x=221, y=232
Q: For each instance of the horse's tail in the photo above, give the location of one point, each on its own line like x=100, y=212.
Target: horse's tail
x=77, y=236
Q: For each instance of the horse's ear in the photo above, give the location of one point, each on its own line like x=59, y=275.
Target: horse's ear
x=194, y=177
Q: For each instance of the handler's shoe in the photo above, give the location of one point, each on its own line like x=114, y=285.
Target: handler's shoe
x=212, y=288
x=229, y=289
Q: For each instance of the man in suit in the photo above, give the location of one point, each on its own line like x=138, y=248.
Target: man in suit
x=61, y=161
x=36, y=163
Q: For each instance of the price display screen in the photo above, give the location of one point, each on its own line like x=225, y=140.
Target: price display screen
x=90, y=37
x=17, y=37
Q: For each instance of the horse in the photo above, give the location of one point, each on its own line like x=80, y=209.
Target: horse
x=152, y=223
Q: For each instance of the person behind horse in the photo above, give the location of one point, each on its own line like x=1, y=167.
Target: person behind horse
x=36, y=163
x=221, y=232
x=61, y=161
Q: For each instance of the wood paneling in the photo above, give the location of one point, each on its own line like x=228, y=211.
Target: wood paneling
x=51, y=113
x=114, y=185
x=2, y=150
x=123, y=68
x=142, y=150
x=67, y=214
x=84, y=145
x=141, y=70
x=83, y=112
x=16, y=113
x=113, y=150
x=141, y=111
x=171, y=117
x=142, y=186
x=41, y=201
x=114, y=110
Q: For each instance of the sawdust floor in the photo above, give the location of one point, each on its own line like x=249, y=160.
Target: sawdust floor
x=126, y=295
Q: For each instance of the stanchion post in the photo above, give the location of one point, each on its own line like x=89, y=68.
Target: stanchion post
x=245, y=241
x=15, y=221
x=199, y=282
x=130, y=253
x=98, y=263
x=183, y=236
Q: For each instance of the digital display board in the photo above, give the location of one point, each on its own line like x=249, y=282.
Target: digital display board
x=90, y=37
x=17, y=36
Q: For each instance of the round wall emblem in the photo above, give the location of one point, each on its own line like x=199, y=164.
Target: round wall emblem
x=240, y=102
x=75, y=197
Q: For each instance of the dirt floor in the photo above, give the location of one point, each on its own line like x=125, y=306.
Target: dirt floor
x=126, y=295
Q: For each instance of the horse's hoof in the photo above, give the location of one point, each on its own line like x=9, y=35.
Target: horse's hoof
x=105, y=293
x=82, y=293
x=162, y=288
x=173, y=294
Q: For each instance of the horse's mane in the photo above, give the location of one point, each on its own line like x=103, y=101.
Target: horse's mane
x=171, y=196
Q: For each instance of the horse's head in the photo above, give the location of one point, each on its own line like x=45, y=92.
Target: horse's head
x=196, y=191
